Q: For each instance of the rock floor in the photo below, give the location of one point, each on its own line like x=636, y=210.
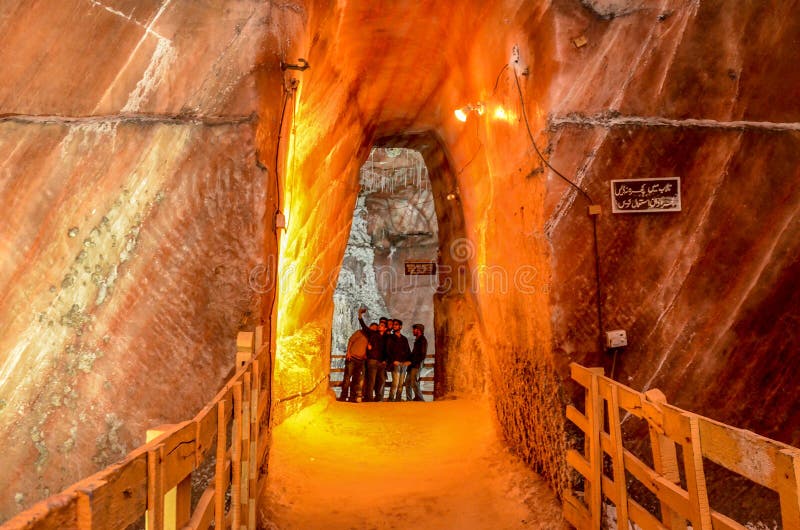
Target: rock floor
x=400, y=465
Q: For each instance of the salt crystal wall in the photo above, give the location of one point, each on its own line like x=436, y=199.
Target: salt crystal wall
x=151, y=128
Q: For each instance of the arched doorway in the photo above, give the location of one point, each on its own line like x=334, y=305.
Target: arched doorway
x=389, y=263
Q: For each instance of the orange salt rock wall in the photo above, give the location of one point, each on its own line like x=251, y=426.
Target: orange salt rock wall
x=186, y=186
x=135, y=201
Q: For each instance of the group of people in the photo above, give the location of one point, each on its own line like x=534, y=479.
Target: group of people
x=376, y=349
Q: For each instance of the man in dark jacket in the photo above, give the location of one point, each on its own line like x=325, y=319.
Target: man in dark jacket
x=417, y=360
x=376, y=358
x=398, y=354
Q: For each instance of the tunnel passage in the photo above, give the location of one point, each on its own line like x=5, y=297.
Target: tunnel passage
x=389, y=263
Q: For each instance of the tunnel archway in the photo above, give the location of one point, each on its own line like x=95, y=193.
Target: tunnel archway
x=388, y=268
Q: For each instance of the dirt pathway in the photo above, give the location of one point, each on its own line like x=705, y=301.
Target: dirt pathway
x=400, y=465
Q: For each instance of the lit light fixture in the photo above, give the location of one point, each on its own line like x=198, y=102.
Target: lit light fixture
x=461, y=114
x=500, y=113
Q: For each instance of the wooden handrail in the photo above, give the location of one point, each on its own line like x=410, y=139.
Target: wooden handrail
x=777, y=465
x=123, y=493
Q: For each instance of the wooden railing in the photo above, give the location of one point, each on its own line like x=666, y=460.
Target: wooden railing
x=428, y=366
x=135, y=488
x=766, y=462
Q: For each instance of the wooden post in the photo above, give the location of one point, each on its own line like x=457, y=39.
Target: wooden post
x=220, y=481
x=788, y=471
x=665, y=462
x=172, y=504
x=618, y=458
x=594, y=415
x=696, y=477
x=183, y=502
x=254, y=433
x=236, y=457
x=155, y=489
x=244, y=483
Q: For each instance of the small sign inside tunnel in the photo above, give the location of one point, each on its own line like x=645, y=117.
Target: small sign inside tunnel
x=420, y=268
x=646, y=195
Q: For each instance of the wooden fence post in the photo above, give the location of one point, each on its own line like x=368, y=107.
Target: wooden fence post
x=665, y=462
x=788, y=471
x=220, y=481
x=244, y=470
x=236, y=457
x=254, y=433
x=618, y=458
x=155, y=489
x=594, y=450
x=696, y=477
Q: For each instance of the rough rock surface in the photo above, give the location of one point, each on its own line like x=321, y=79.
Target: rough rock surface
x=132, y=120
x=134, y=214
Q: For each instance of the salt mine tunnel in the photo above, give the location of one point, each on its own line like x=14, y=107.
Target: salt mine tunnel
x=176, y=173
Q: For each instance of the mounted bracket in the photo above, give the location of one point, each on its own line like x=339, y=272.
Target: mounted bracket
x=301, y=65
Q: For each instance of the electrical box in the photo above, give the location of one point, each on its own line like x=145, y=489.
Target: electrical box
x=616, y=338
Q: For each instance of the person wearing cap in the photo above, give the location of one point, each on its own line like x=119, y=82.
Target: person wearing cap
x=417, y=359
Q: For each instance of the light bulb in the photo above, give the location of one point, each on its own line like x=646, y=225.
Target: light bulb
x=461, y=114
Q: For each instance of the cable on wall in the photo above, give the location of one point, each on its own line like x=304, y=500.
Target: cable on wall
x=598, y=278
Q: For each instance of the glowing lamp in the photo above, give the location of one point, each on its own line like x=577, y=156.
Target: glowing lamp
x=463, y=112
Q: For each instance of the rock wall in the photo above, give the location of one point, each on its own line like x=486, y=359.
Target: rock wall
x=137, y=210
x=707, y=295
x=140, y=142
x=610, y=89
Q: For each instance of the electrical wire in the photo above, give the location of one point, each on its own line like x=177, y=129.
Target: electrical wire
x=536, y=148
x=278, y=146
x=598, y=278
x=286, y=93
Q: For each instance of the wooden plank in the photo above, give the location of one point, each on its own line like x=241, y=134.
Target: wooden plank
x=219, y=469
x=179, y=454
x=576, y=513
x=666, y=491
x=735, y=449
x=183, y=502
x=204, y=512
x=696, y=478
x=155, y=488
x=788, y=469
x=723, y=522
x=56, y=512
x=577, y=418
x=259, y=339
x=254, y=436
x=644, y=519
x=245, y=342
x=578, y=463
x=116, y=497
x=618, y=458
x=580, y=374
x=205, y=432
x=594, y=415
x=665, y=462
x=236, y=457
x=244, y=484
